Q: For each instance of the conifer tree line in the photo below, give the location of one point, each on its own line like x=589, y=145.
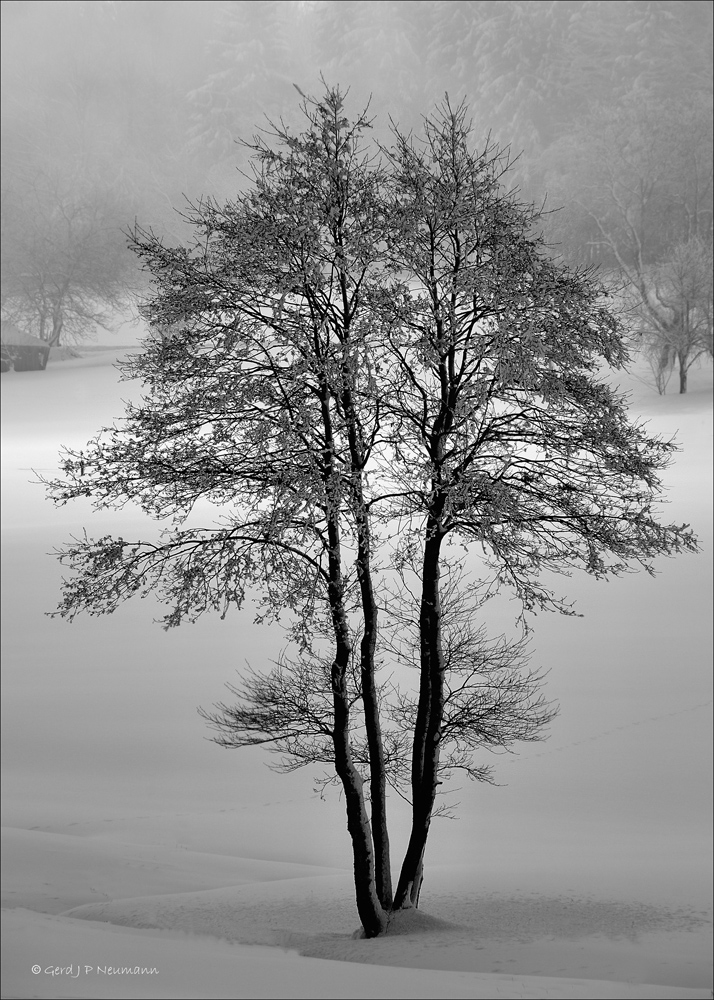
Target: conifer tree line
x=113, y=111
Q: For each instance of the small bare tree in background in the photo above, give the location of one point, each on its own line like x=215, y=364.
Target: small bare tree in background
x=676, y=320
x=637, y=178
x=66, y=269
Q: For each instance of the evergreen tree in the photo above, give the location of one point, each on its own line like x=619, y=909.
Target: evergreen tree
x=260, y=51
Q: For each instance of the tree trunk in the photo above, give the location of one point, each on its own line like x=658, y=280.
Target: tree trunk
x=430, y=709
x=682, y=373
x=427, y=732
x=371, y=912
x=369, y=907
x=370, y=701
x=57, y=325
x=370, y=697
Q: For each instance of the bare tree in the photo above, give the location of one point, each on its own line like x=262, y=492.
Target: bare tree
x=508, y=441
x=359, y=361
x=264, y=316
x=680, y=296
x=65, y=264
x=638, y=178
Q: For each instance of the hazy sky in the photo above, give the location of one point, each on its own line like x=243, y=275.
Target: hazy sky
x=123, y=110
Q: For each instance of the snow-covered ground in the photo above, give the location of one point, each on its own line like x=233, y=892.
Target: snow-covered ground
x=132, y=842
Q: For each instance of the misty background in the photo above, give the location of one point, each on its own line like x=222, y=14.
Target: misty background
x=116, y=112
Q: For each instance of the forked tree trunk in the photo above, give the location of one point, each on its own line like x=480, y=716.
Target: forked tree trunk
x=370, y=695
x=368, y=645
x=371, y=912
x=370, y=701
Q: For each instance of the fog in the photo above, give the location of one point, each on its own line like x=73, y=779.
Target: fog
x=127, y=109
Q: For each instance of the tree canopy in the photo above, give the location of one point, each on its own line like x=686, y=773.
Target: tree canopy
x=361, y=362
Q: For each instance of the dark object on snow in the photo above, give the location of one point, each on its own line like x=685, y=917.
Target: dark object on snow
x=22, y=351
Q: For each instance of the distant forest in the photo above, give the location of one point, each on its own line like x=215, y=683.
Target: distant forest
x=115, y=111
